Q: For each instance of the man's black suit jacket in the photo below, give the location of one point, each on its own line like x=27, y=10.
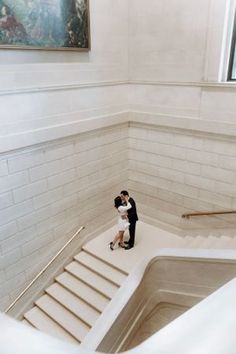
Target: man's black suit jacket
x=132, y=213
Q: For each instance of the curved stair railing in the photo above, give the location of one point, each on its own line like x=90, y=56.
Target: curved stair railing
x=44, y=269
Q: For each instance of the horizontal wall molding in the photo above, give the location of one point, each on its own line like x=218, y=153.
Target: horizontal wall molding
x=37, y=89
x=216, y=85
x=192, y=125
x=36, y=123
x=218, y=130
x=34, y=137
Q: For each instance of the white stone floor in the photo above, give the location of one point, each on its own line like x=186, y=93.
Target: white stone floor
x=148, y=238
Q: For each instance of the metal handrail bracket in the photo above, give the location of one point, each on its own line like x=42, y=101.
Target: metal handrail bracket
x=43, y=270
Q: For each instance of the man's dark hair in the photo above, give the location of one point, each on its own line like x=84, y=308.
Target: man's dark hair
x=117, y=202
x=125, y=193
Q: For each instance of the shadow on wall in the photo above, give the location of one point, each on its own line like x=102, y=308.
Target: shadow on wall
x=170, y=286
x=39, y=56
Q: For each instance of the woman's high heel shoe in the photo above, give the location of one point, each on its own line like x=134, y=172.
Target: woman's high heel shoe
x=111, y=246
x=121, y=245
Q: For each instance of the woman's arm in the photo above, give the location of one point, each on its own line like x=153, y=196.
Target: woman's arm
x=123, y=208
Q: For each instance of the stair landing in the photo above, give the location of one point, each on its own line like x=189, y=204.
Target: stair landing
x=148, y=238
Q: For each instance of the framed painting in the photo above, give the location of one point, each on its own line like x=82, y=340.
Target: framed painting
x=45, y=24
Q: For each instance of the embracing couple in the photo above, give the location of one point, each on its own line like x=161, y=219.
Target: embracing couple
x=127, y=219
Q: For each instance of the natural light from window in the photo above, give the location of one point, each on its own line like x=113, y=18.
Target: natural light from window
x=232, y=59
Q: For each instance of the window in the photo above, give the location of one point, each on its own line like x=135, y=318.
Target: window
x=232, y=59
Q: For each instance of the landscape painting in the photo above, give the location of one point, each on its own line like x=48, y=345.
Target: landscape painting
x=45, y=24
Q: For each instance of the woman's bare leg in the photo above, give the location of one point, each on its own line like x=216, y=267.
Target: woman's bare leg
x=119, y=236
x=122, y=240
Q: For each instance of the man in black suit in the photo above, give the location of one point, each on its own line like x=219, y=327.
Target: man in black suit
x=133, y=218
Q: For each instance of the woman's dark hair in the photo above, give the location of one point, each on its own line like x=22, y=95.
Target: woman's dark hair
x=124, y=193
x=117, y=202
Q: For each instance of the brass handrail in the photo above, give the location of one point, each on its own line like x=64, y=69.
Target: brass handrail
x=43, y=270
x=188, y=215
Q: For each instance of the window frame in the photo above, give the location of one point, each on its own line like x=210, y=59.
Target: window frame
x=232, y=52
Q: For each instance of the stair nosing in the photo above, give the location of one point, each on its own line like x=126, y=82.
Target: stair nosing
x=89, y=285
x=96, y=272
x=104, y=261
x=51, y=318
x=97, y=289
x=74, y=293
x=26, y=319
x=58, y=323
x=66, y=308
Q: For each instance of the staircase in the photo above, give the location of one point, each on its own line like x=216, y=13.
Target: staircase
x=210, y=242
x=72, y=304
x=70, y=307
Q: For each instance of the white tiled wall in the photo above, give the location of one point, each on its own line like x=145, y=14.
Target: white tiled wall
x=47, y=191
x=172, y=172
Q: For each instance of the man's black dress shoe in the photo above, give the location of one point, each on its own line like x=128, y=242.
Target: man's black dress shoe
x=128, y=247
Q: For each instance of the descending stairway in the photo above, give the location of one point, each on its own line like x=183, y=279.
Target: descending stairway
x=210, y=242
x=72, y=304
x=70, y=307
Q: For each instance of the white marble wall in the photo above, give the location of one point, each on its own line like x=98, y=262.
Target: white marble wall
x=175, y=62
x=48, y=191
x=46, y=95
x=172, y=171
x=55, y=99
x=168, y=39
x=175, y=57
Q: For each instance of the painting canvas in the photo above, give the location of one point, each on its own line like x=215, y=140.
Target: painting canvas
x=44, y=24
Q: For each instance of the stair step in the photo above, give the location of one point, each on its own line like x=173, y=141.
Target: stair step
x=215, y=242
x=85, y=292
x=63, y=317
x=42, y=322
x=100, y=284
x=97, y=255
x=232, y=242
x=202, y=242
x=220, y=242
x=27, y=323
x=196, y=241
x=77, y=306
x=100, y=267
